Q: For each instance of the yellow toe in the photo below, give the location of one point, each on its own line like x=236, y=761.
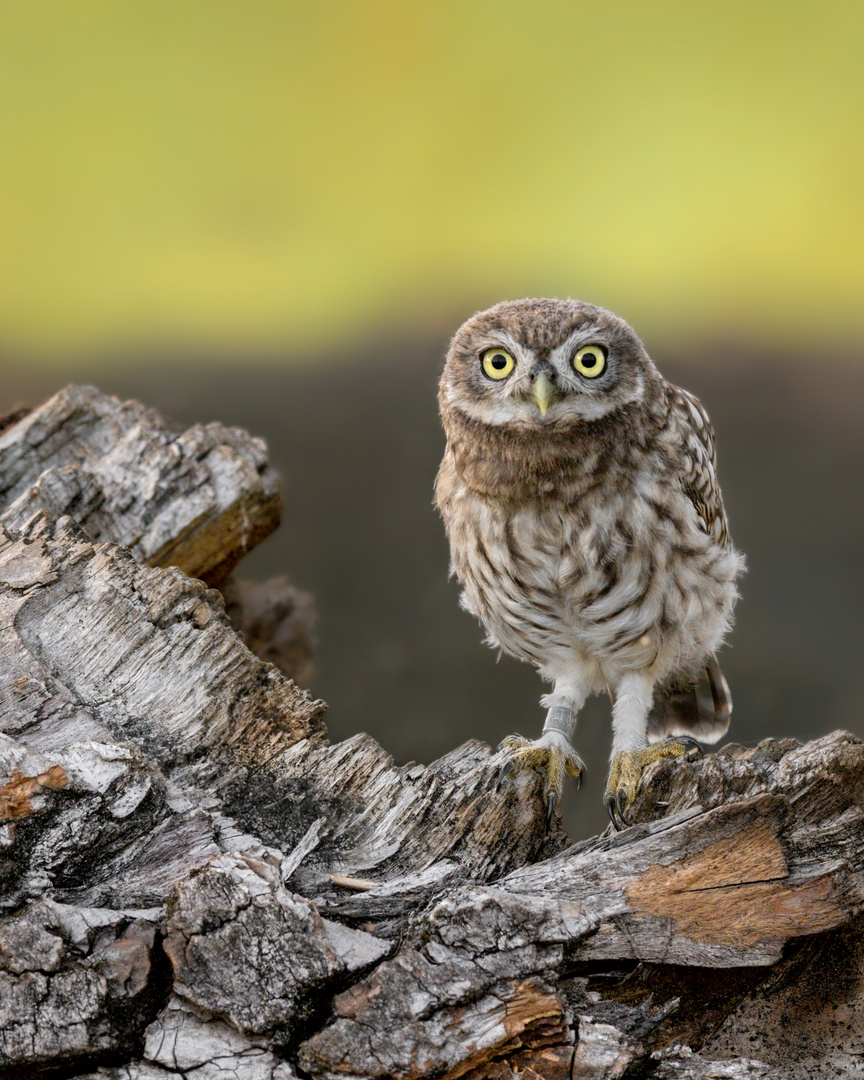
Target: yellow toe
x=626, y=771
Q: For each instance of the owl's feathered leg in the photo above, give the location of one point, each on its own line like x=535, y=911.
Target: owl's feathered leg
x=631, y=753
x=551, y=754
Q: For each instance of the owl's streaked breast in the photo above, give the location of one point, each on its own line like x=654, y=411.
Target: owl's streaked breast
x=618, y=575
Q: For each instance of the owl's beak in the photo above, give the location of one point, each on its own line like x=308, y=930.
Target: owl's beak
x=542, y=391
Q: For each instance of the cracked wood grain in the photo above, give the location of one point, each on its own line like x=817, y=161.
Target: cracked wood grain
x=722, y=888
x=87, y=653
x=197, y=499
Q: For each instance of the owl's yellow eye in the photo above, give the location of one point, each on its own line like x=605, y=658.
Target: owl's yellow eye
x=590, y=361
x=497, y=364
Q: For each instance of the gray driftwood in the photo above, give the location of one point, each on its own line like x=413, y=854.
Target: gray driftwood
x=195, y=883
x=197, y=499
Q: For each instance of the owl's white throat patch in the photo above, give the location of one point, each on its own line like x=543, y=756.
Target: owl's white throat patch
x=521, y=410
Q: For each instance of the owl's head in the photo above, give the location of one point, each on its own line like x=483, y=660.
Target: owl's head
x=545, y=364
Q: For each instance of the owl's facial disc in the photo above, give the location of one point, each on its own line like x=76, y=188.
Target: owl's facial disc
x=544, y=365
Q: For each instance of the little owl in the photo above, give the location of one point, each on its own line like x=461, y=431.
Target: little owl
x=588, y=532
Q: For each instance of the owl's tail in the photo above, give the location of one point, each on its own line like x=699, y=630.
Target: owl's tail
x=699, y=705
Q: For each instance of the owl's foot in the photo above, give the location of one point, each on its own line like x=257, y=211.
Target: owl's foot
x=627, y=768
x=552, y=756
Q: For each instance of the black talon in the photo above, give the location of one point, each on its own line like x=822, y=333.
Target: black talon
x=551, y=800
x=688, y=741
x=619, y=806
x=610, y=810
x=504, y=772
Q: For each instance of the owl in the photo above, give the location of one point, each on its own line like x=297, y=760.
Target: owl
x=586, y=527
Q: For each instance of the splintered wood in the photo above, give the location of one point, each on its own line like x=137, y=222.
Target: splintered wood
x=194, y=883
x=197, y=499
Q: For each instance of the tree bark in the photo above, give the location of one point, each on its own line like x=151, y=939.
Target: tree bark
x=197, y=499
x=195, y=883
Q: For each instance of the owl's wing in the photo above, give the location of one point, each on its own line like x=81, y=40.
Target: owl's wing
x=699, y=705
x=695, y=437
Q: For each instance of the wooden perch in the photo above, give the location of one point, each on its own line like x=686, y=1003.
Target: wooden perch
x=195, y=883
x=196, y=499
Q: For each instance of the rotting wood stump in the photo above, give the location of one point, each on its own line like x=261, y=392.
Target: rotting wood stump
x=194, y=882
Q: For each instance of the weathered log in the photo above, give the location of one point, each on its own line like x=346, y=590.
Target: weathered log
x=194, y=883
x=97, y=646
x=196, y=499
x=13, y=416
x=722, y=887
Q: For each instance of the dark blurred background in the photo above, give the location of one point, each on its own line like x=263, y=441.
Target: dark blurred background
x=274, y=214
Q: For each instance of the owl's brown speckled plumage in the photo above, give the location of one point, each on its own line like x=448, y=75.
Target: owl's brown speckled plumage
x=587, y=528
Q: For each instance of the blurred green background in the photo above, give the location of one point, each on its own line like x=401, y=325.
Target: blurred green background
x=275, y=213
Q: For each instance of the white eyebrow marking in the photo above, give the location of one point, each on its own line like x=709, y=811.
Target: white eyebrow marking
x=501, y=337
x=583, y=335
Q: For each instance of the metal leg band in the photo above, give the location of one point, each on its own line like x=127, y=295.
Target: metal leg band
x=560, y=718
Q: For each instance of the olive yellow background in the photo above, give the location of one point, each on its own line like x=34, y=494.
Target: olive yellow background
x=274, y=213
x=296, y=174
